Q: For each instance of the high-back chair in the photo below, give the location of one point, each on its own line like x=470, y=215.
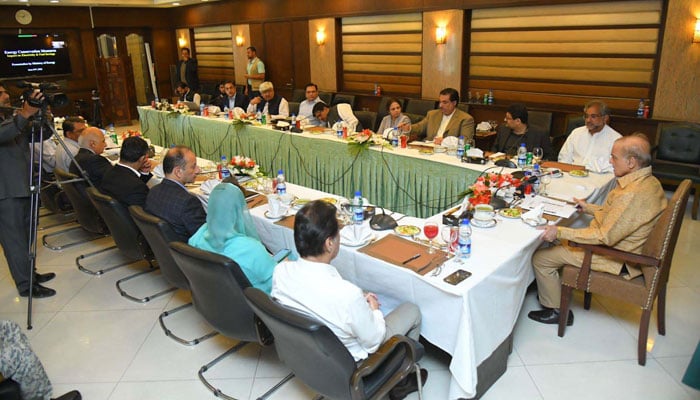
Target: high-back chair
x=317, y=357
x=677, y=156
x=86, y=215
x=540, y=121
x=298, y=95
x=420, y=106
x=367, y=119
x=655, y=262
x=217, y=285
x=129, y=239
x=159, y=235
x=325, y=97
x=343, y=98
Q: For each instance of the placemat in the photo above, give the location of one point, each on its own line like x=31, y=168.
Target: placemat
x=396, y=250
x=287, y=222
x=256, y=201
x=562, y=166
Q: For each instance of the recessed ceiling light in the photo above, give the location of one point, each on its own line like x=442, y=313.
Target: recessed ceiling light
x=176, y=4
x=24, y=1
x=53, y=1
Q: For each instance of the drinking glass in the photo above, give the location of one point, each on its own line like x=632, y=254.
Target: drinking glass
x=545, y=180
x=450, y=234
x=430, y=230
x=537, y=154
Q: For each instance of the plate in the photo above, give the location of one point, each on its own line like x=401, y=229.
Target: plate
x=426, y=152
x=513, y=213
x=578, y=173
x=358, y=244
x=270, y=216
x=407, y=230
x=299, y=203
x=534, y=222
x=488, y=224
x=330, y=200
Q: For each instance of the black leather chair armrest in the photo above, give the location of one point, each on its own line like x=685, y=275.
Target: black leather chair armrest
x=414, y=352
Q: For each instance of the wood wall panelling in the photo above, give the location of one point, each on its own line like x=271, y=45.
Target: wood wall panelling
x=215, y=53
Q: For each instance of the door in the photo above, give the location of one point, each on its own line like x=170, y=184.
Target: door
x=286, y=55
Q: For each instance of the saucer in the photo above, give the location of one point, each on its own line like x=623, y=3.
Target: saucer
x=488, y=224
x=358, y=244
x=534, y=222
x=270, y=216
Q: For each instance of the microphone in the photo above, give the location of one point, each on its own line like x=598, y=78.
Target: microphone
x=501, y=203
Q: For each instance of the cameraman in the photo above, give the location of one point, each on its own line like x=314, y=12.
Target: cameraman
x=14, y=194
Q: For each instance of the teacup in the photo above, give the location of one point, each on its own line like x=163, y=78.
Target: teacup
x=286, y=198
x=276, y=207
x=484, y=213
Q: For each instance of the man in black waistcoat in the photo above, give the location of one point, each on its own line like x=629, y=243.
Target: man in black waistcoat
x=269, y=103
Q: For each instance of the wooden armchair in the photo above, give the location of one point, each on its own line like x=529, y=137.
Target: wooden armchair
x=655, y=262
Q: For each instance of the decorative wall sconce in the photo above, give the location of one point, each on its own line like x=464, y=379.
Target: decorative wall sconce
x=320, y=37
x=696, y=36
x=240, y=40
x=440, y=35
x=182, y=42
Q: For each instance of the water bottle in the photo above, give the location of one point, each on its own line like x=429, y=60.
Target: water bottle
x=522, y=156
x=395, y=137
x=339, y=129
x=640, y=109
x=201, y=108
x=113, y=135
x=294, y=121
x=490, y=96
x=224, y=171
x=358, y=213
x=281, y=183
x=465, y=240
x=258, y=117
x=460, y=147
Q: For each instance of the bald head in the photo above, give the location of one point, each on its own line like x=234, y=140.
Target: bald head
x=637, y=146
x=93, y=139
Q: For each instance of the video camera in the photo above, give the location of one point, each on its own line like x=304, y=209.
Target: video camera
x=51, y=97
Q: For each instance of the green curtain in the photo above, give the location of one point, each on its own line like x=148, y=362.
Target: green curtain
x=418, y=187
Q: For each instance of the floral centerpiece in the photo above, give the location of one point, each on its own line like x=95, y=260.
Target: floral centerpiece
x=241, y=165
x=130, y=133
x=485, y=186
x=360, y=142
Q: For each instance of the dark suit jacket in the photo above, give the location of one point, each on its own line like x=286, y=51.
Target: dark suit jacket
x=173, y=203
x=461, y=124
x=94, y=165
x=190, y=73
x=241, y=101
x=121, y=183
x=14, y=156
x=508, y=142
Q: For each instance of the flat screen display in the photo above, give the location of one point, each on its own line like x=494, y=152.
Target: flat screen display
x=31, y=55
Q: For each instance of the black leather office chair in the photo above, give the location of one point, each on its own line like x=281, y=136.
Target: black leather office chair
x=321, y=361
x=10, y=390
x=129, y=239
x=344, y=98
x=677, y=156
x=463, y=106
x=367, y=119
x=298, y=95
x=572, y=121
x=89, y=231
x=415, y=117
x=419, y=106
x=325, y=97
x=217, y=284
x=293, y=108
x=540, y=121
x=159, y=234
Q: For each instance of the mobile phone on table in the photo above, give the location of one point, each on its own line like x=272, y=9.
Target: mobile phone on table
x=457, y=276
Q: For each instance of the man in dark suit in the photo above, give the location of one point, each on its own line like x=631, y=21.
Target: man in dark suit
x=92, y=144
x=14, y=196
x=516, y=131
x=126, y=182
x=232, y=98
x=187, y=70
x=448, y=120
x=171, y=201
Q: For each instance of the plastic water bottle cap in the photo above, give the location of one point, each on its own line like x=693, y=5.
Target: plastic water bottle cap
x=280, y=172
x=358, y=193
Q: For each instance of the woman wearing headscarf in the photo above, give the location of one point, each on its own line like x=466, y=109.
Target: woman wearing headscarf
x=230, y=231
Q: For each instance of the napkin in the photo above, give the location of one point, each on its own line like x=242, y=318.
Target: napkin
x=534, y=215
x=475, y=152
x=207, y=186
x=214, y=110
x=355, y=234
x=387, y=133
x=450, y=141
x=483, y=126
x=158, y=171
x=237, y=112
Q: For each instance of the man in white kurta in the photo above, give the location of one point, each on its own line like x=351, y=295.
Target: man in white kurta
x=590, y=145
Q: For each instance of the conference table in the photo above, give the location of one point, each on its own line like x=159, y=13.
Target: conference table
x=472, y=321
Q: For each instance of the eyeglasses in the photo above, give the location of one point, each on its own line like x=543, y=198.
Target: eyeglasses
x=591, y=116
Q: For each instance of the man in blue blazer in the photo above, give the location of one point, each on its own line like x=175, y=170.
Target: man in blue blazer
x=171, y=201
x=126, y=182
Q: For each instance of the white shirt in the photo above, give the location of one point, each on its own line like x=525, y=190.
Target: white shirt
x=49, y=158
x=283, y=110
x=443, y=124
x=306, y=110
x=592, y=151
x=63, y=161
x=318, y=290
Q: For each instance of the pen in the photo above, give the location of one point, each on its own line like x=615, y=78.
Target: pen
x=411, y=258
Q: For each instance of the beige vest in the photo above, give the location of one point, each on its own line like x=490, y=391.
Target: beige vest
x=253, y=69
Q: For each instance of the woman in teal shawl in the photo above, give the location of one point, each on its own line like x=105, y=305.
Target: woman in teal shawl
x=230, y=231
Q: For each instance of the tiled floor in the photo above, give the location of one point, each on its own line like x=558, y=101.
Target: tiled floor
x=89, y=338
